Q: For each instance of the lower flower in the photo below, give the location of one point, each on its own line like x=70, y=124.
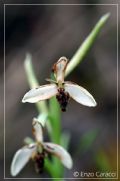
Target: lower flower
x=38, y=151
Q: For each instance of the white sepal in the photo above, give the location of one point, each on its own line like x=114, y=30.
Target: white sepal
x=21, y=158
x=42, y=119
x=41, y=93
x=60, y=152
x=80, y=94
x=59, y=69
x=37, y=130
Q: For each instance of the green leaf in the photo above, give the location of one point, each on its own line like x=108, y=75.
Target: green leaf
x=54, y=167
x=102, y=161
x=86, y=141
x=86, y=45
x=65, y=139
x=33, y=82
x=48, y=167
x=55, y=120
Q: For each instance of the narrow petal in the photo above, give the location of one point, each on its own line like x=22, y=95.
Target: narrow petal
x=50, y=80
x=37, y=130
x=60, y=152
x=40, y=93
x=21, y=158
x=59, y=69
x=80, y=94
x=42, y=118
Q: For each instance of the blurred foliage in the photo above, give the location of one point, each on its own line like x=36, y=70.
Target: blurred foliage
x=86, y=141
x=102, y=161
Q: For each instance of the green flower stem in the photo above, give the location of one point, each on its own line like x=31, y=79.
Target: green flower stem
x=33, y=82
x=55, y=120
x=86, y=45
x=49, y=168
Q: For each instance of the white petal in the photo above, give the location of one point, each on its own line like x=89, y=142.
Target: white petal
x=37, y=130
x=40, y=93
x=80, y=94
x=60, y=152
x=42, y=118
x=21, y=157
x=59, y=69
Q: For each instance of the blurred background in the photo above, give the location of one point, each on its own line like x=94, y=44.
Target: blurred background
x=47, y=33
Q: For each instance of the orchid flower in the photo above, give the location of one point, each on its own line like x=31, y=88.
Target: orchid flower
x=37, y=151
x=63, y=90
